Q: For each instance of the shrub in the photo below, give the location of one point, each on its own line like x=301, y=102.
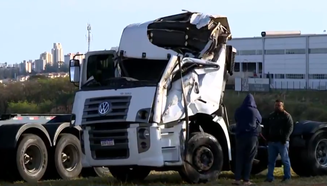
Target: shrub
x=44, y=95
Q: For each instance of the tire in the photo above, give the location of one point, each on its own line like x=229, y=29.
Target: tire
x=202, y=147
x=103, y=171
x=95, y=172
x=31, y=154
x=68, y=157
x=306, y=161
x=124, y=174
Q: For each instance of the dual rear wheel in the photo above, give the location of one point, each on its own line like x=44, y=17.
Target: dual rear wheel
x=33, y=160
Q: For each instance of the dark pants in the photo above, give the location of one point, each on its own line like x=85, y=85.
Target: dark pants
x=274, y=149
x=246, y=150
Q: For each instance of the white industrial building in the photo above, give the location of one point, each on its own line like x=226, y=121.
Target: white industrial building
x=290, y=60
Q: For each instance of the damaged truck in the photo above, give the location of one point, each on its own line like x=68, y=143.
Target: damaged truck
x=157, y=104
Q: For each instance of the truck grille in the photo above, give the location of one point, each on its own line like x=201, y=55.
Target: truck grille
x=116, y=133
x=118, y=113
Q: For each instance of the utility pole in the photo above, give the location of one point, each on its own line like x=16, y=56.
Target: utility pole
x=89, y=36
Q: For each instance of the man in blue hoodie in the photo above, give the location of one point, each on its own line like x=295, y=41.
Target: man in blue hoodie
x=248, y=120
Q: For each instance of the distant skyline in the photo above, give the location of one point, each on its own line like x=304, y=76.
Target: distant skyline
x=29, y=28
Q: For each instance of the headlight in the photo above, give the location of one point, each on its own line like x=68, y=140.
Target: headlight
x=143, y=133
x=143, y=114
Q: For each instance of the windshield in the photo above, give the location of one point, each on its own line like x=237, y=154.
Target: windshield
x=143, y=69
x=133, y=72
x=100, y=66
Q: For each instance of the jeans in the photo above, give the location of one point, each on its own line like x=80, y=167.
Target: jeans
x=246, y=150
x=274, y=149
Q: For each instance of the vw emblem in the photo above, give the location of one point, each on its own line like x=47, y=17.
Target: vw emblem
x=104, y=108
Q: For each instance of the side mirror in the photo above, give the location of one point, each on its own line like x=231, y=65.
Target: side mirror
x=230, y=58
x=74, y=70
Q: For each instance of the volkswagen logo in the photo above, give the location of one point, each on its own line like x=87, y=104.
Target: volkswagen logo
x=104, y=108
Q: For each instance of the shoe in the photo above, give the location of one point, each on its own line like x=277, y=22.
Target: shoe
x=268, y=180
x=248, y=183
x=236, y=182
x=285, y=180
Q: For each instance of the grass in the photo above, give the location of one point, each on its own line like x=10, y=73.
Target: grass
x=173, y=178
x=302, y=105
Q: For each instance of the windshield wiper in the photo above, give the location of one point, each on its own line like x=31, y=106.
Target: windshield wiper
x=125, y=82
x=92, y=82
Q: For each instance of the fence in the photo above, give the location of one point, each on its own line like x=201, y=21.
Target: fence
x=266, y=85
x=299, y=85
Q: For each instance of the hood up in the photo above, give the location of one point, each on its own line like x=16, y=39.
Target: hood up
x=249, y=101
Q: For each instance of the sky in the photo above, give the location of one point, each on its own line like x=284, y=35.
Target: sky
x=30, y=27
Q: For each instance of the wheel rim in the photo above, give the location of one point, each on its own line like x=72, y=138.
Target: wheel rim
x=102, y=171
x=69, y=157
x=321, y=152
x=203, y=159
x=32, y=159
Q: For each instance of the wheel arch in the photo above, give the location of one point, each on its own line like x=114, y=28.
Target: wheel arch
x=65, y=128
x=308, y=127
x=217, y=127
x=36, y=129
x=303, y=130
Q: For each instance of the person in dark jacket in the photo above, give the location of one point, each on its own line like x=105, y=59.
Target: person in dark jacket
x=277, y=130
x=248, y=120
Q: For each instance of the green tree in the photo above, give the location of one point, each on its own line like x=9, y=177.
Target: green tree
x=45, y=95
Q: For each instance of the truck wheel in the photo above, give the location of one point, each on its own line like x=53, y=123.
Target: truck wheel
x=31, y=158
x=204, y=159
x=319, y=147
x=102, y=171
x=125, y=174
x=311, y=160
x=68, y=157
x=95, y=172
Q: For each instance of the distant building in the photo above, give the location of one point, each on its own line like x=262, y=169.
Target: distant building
x=39, y=65
x=26, y=66
x=57, y=54
x=70, y=56
x=47, y=57
x=8, y=71
x=3, y=65
x=290, y=60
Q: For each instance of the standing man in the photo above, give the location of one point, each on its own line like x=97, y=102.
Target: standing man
x=248, y=120
x=277, y=130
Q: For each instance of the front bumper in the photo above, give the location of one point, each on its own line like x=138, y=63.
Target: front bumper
x=125, y=151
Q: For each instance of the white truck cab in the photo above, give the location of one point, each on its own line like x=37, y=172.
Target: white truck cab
x=156, y=102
